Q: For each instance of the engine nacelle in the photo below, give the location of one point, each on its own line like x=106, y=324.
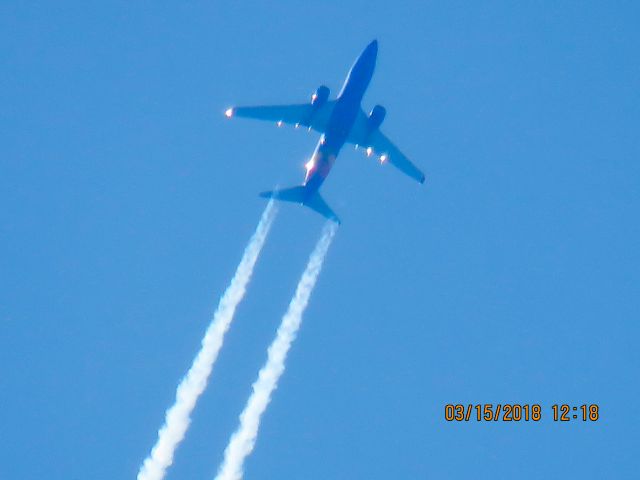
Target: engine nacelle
x=376, y=117
x=320, y=96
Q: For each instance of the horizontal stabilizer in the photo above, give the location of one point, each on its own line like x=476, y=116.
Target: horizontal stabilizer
x=317, y=203
x=303, y=196
x=294, y=194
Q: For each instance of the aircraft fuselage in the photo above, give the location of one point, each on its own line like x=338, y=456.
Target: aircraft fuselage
x=342, y=119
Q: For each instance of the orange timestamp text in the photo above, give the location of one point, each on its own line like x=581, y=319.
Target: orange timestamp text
x=515, y=412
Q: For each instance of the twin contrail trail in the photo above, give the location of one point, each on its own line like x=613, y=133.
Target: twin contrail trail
x=178, y=417
x=243, y=440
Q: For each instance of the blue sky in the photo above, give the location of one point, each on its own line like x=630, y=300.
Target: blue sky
x=511, y=276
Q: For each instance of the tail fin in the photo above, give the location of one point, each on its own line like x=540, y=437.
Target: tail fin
x=303, y=196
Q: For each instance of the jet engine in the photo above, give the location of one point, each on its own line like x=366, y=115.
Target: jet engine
x=320, y=96
x=376, y=117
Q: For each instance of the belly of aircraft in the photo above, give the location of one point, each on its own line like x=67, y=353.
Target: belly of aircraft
x=328, y=148
x=320, y=165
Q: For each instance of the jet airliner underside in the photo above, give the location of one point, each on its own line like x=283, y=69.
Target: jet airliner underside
x=339, y=121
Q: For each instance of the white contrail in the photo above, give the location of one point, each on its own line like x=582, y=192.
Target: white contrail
x=178, y=417
x=244, y=439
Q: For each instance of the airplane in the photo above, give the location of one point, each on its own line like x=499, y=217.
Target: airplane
x=339, y=121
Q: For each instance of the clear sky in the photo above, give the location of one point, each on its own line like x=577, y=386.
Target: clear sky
x=511, y=276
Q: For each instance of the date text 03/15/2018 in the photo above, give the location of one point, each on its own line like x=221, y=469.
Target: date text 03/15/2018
x=515, y=412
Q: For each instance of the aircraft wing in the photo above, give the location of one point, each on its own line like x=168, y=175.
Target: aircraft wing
x=377, y=142
x=305, y=114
